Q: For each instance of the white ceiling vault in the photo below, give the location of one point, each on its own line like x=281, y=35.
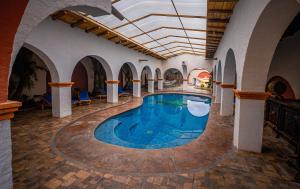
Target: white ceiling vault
x=168, y=27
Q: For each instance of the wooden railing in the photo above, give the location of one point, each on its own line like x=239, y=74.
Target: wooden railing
x=284, y=117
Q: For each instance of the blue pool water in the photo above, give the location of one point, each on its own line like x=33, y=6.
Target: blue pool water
x=162, y=121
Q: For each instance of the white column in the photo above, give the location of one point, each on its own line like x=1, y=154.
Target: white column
x=248, y=124
x=151, y=86
x=136, y=88
x=5, y=155
x=61, y=100
x=185, y=84
x=227, y=100
x=160, y=84
x=112, y=92
x=218, y=92
x=7, y=110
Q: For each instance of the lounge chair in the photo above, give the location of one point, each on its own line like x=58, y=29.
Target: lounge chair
x=83, y=98
x=46, y=101
x=121, y=92
x=101, y=93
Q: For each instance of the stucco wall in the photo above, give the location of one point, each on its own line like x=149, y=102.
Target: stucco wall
x=253, y=35
x=286, y=62
x=77, y=44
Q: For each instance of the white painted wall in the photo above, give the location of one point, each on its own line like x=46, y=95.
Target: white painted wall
x=38, y=10
x=253, y=35
x=286, y=62
x=77, y=44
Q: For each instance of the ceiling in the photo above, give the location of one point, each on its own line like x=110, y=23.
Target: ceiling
x=160, y=28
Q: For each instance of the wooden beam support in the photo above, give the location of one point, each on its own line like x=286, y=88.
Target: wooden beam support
x=58, y=15
x=92, y=29
x=78, y=23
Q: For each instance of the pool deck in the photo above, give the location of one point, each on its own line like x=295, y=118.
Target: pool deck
x=63, y=153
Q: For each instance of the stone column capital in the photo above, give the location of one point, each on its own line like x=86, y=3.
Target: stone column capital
x=61, y=84
x=251, y=95
x=8, y=108
x=112, y=82
x=226, y=85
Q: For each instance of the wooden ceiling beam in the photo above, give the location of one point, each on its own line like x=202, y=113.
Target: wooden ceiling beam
x=158, y=14
x=171, y=28
x=217, y=20
x=176, y=36
x=58, y=15
x=95, y=28
x=78, y=22
x=219, y=11
x=177, y=42
x=180, y=47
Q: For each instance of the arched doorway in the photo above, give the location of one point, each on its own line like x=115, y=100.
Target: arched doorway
x=228, y=84
x=173, y=78
x=147, y=80
x=90, y=75
x=29, y=80
x=251, y=96
x=199, y=78
x=128, y=80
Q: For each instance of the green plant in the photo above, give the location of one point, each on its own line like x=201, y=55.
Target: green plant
x=23, y=74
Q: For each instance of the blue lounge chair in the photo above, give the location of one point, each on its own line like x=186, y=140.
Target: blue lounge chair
x=101, y=93
x=46, y=101
x=121, y=92
x=84, y=98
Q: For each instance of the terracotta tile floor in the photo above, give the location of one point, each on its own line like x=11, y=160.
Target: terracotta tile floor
x=213, y=165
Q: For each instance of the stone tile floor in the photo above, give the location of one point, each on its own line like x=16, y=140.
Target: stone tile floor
x=36, y=165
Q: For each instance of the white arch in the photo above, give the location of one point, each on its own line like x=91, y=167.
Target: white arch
x=158, y=73
x=37, y=11
x=269, y=28
x=103, y=62
x=133, y=69
x=47, y=61
x=171, y=69
x=149, y=71
x=229, y=71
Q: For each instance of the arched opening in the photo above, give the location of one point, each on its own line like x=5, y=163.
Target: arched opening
x=228, y=84
x=261, y=49
x=79, y=77
x=126, y=76
x=90, y=76
x=146, y=79
x=29, y=78
x=280, y=88
x=282, y=108
x=200, y=79
x=173, y=78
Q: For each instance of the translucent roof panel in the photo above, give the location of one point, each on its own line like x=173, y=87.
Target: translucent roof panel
x=161, y=24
